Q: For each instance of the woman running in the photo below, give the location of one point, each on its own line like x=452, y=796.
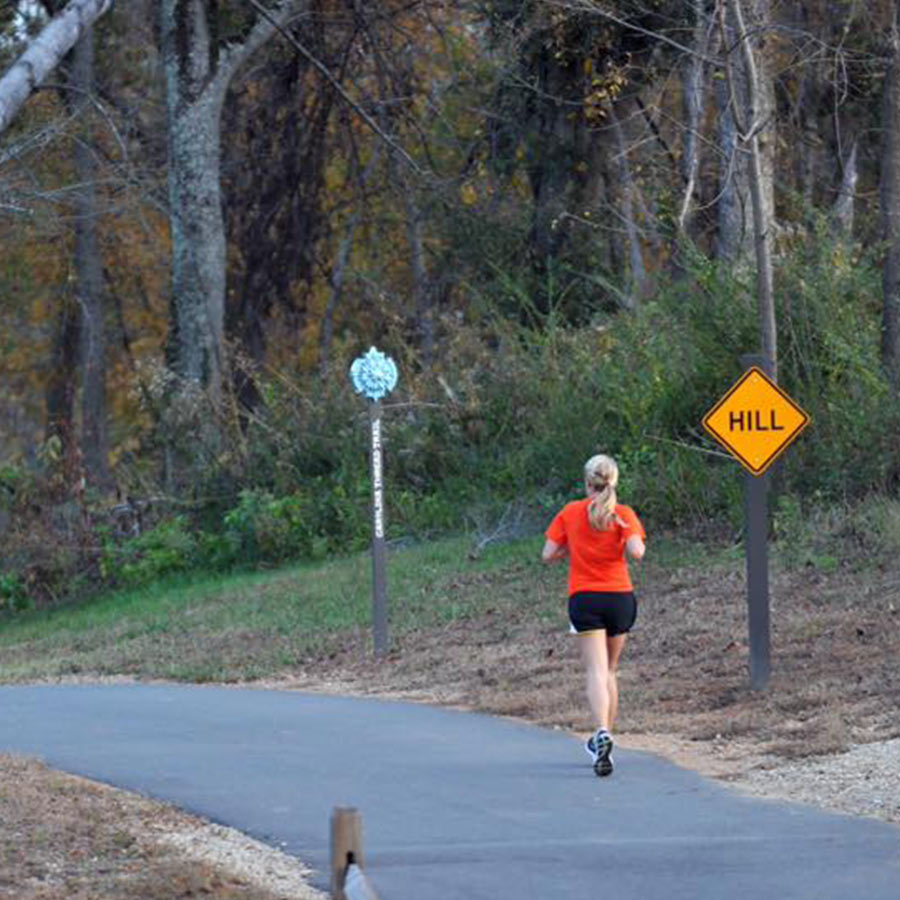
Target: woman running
x=595, y=534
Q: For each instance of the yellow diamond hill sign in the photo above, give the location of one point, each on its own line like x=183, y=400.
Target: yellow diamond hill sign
x=755, y=421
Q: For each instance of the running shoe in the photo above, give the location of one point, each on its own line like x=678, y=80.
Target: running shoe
x=590, y=747
x=603, y=744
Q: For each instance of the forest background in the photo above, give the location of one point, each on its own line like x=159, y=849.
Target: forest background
x=566, y=220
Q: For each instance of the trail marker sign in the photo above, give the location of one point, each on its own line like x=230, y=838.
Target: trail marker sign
x=375, y=376
x=755, y=421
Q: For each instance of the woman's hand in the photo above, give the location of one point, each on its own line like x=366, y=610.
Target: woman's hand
x=635, y=547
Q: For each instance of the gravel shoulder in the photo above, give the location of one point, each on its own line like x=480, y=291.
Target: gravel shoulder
x=863, y=781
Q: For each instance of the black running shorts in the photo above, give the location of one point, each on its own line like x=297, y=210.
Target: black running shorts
x=613, y=611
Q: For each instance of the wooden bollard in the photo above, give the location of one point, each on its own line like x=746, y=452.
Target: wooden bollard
x=346, y=846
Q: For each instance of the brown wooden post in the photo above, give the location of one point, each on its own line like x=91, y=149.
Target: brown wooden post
x=346, y=846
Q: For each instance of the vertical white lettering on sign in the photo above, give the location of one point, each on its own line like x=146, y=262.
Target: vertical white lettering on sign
x=377, y=485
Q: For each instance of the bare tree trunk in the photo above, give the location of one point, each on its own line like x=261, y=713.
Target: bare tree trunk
x=842, y=213
x=326, y=331
x=751, y=121
x=44, y=54
x=733, y=228
x=549, y=168
x=277, y=116
x=424, y=314
x=62, y=383
x=809, y=149
x=194, y=99
x=890, y=210
x=693, y=113
x=340, y=266
x=763, y=85
x=638, y=273
x=806, y=118
x=198, y=72
x=89, y=275
x=615, y=256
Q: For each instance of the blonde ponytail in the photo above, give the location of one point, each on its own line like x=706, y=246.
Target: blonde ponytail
x=601, y=474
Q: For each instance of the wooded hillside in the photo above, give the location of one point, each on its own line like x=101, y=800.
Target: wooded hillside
x=565, y=219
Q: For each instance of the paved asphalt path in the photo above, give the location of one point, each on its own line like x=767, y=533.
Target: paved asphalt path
x=454, y=805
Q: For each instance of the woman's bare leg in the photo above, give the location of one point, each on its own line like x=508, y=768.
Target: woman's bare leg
x=614, y=647
x=596, y=663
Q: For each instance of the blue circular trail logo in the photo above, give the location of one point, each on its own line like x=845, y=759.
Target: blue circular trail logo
x=374, y=375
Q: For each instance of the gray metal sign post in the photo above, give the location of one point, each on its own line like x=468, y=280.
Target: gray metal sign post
x=756, y=506
x=374, y=375
x=756, y=501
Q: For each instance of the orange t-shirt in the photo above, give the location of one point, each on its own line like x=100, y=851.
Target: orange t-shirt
x=596, y=558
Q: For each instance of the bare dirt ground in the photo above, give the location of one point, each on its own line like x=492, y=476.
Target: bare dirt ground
x=826, y=732
x=67, y=838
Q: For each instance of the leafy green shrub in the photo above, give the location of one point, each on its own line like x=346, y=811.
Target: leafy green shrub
x=13, y=593
x=167, y=549
x=265, y=528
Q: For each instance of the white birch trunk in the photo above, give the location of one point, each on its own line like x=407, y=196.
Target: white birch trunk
x=44, y=53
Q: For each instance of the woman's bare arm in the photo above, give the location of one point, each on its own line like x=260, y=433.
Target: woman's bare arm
x=553, y=551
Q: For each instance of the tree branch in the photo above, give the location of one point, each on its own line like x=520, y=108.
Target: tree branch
x=592, y=8
x=235, y=55
x=336, y=85
x=44, y=53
